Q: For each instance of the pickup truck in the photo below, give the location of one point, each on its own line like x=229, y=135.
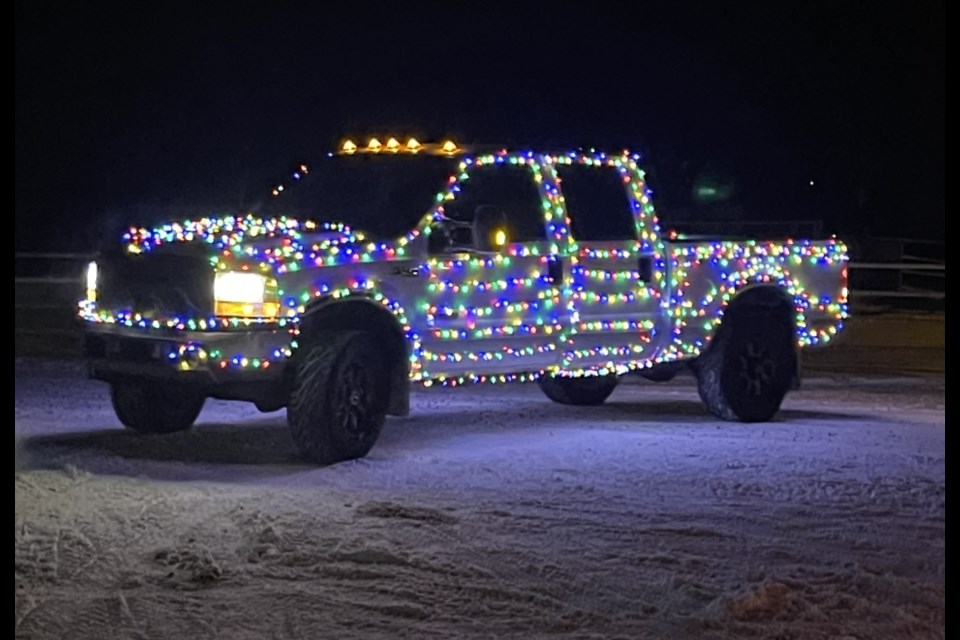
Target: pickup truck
x=447, y=265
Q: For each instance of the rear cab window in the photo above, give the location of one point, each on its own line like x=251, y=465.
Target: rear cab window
x=597, y=203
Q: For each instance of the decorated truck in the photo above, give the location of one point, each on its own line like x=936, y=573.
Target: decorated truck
x=444, y=265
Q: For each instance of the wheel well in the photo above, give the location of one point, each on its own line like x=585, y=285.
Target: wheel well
x=766, y=298
x=771, y=301
x=365, y=315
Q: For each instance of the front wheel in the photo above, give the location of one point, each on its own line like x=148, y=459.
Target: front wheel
x=155, y=408
x=747, y=371
x=339, y=400
x=585, y=390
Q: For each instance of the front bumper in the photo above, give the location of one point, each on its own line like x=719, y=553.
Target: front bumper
x=207, y=358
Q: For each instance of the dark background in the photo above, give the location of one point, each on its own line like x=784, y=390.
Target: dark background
x=136, y=112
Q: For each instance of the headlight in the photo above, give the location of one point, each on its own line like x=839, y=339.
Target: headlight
x=240, y=294
x=233, y=286
x=92, y=282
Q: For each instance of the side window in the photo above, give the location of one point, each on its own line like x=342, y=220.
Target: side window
x=507, y=188
x=597, y=203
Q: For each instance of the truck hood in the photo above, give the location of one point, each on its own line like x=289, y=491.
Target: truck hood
x=324, y=247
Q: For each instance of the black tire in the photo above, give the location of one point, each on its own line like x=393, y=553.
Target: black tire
x=660, y=373
x=585, y=390
x=749, y=368
x=155, y=408
x=339, y=399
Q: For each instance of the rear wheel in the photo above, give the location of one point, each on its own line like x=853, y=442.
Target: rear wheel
x=155, y=408
x=339, y=399
x=748, y=369
x=585, y=390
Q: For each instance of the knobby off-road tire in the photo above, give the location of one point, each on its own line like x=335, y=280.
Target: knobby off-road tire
x=155, y=408
x=585, y=390
x=749, y=368
x=338, y=403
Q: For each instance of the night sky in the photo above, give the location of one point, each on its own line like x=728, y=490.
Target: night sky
x=125, y=112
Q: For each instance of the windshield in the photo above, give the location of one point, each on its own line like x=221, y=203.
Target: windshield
x=382, y=195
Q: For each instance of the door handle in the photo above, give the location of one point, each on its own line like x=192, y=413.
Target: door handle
x=645, y=270
x=555, y=271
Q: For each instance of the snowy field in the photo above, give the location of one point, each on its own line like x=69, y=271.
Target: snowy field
x=490, y=512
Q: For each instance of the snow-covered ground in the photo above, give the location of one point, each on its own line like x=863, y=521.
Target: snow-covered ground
x=489, y=512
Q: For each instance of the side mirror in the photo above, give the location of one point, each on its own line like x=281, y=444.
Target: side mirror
x=490, y=228
x=450, y=235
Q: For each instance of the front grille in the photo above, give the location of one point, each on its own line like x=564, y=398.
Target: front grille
x=124, y=349
x=157, y=285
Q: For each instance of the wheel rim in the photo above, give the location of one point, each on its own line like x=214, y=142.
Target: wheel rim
x=353, y=399
x=757, y=368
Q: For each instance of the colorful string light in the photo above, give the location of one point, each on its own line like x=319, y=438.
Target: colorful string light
x=470, y=297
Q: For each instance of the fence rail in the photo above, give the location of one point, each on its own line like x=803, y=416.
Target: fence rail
x=45, y=280
x=902, y=266
x=923, y=269
x=47, y=290
x=921, y=295
x=41, y=255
